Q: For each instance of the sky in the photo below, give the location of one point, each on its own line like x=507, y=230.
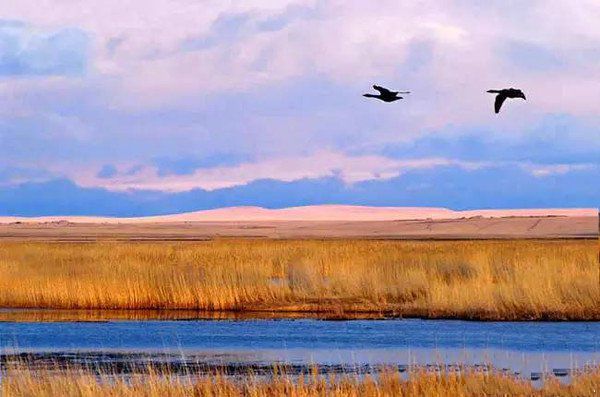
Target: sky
x=151, y=107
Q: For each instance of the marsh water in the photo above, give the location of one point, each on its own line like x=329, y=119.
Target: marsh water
x=519, y=347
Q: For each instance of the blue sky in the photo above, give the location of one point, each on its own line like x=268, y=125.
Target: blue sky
x=131, y=108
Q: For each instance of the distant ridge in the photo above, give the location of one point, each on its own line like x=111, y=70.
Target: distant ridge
x=315, y=213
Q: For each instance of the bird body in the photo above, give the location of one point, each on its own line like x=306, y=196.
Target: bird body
x=502, y=95
x=386, y=95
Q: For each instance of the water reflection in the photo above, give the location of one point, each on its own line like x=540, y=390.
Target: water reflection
x=200, y=340
x=52, y=315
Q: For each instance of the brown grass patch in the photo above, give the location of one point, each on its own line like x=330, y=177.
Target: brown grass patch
x=509, y=280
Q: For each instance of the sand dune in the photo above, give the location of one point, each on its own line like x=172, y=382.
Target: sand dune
x=314, y=213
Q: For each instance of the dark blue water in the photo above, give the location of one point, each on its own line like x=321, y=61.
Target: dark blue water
x=305, y=334
x=523, y=346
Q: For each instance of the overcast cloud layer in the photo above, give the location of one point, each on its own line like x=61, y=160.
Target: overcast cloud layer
x=128, y=103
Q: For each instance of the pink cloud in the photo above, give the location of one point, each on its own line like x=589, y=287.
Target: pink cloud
x=350, y=169
x=347, y=42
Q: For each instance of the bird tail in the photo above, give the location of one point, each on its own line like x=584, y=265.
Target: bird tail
x=493, y=91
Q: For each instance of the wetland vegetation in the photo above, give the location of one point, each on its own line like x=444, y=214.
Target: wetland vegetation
x=486, y=280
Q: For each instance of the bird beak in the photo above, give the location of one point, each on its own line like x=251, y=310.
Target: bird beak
x=524, y=97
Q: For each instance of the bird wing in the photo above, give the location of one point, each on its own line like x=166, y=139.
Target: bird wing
x=382, y=91
x=500, y=98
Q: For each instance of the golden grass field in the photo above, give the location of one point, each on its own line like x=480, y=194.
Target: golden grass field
x=504, y=280
x=71, y=382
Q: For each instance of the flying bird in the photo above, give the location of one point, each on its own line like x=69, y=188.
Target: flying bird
x=386, y=95
x=503, y=94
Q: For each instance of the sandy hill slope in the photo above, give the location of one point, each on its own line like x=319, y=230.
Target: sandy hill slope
x=315, y=213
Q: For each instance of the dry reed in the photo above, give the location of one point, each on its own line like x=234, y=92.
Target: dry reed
x=73, y=382
x=504, y=280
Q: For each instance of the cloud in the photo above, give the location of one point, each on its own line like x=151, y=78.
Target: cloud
x=553, y=139
x=532, y=57
x=452, y=187
x=187, y=165
x=557, y=169
x=168, y=52
x=28, y=51
x=225, y=29
x=108, y=171
x=213, y=94
x=349, y=169
x=291, y=13
x=15, y=175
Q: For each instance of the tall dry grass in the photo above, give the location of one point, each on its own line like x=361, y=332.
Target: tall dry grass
x=461, y=279
x=66, y=383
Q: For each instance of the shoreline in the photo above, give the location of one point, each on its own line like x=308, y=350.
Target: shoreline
x=48, y=314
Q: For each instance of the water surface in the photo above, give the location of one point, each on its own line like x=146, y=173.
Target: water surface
x=523, y=347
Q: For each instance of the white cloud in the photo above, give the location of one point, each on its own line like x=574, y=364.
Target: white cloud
x=139, y=64
x=350, y=169
x=347, y=168
x=541, y=170
x=346, y=42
